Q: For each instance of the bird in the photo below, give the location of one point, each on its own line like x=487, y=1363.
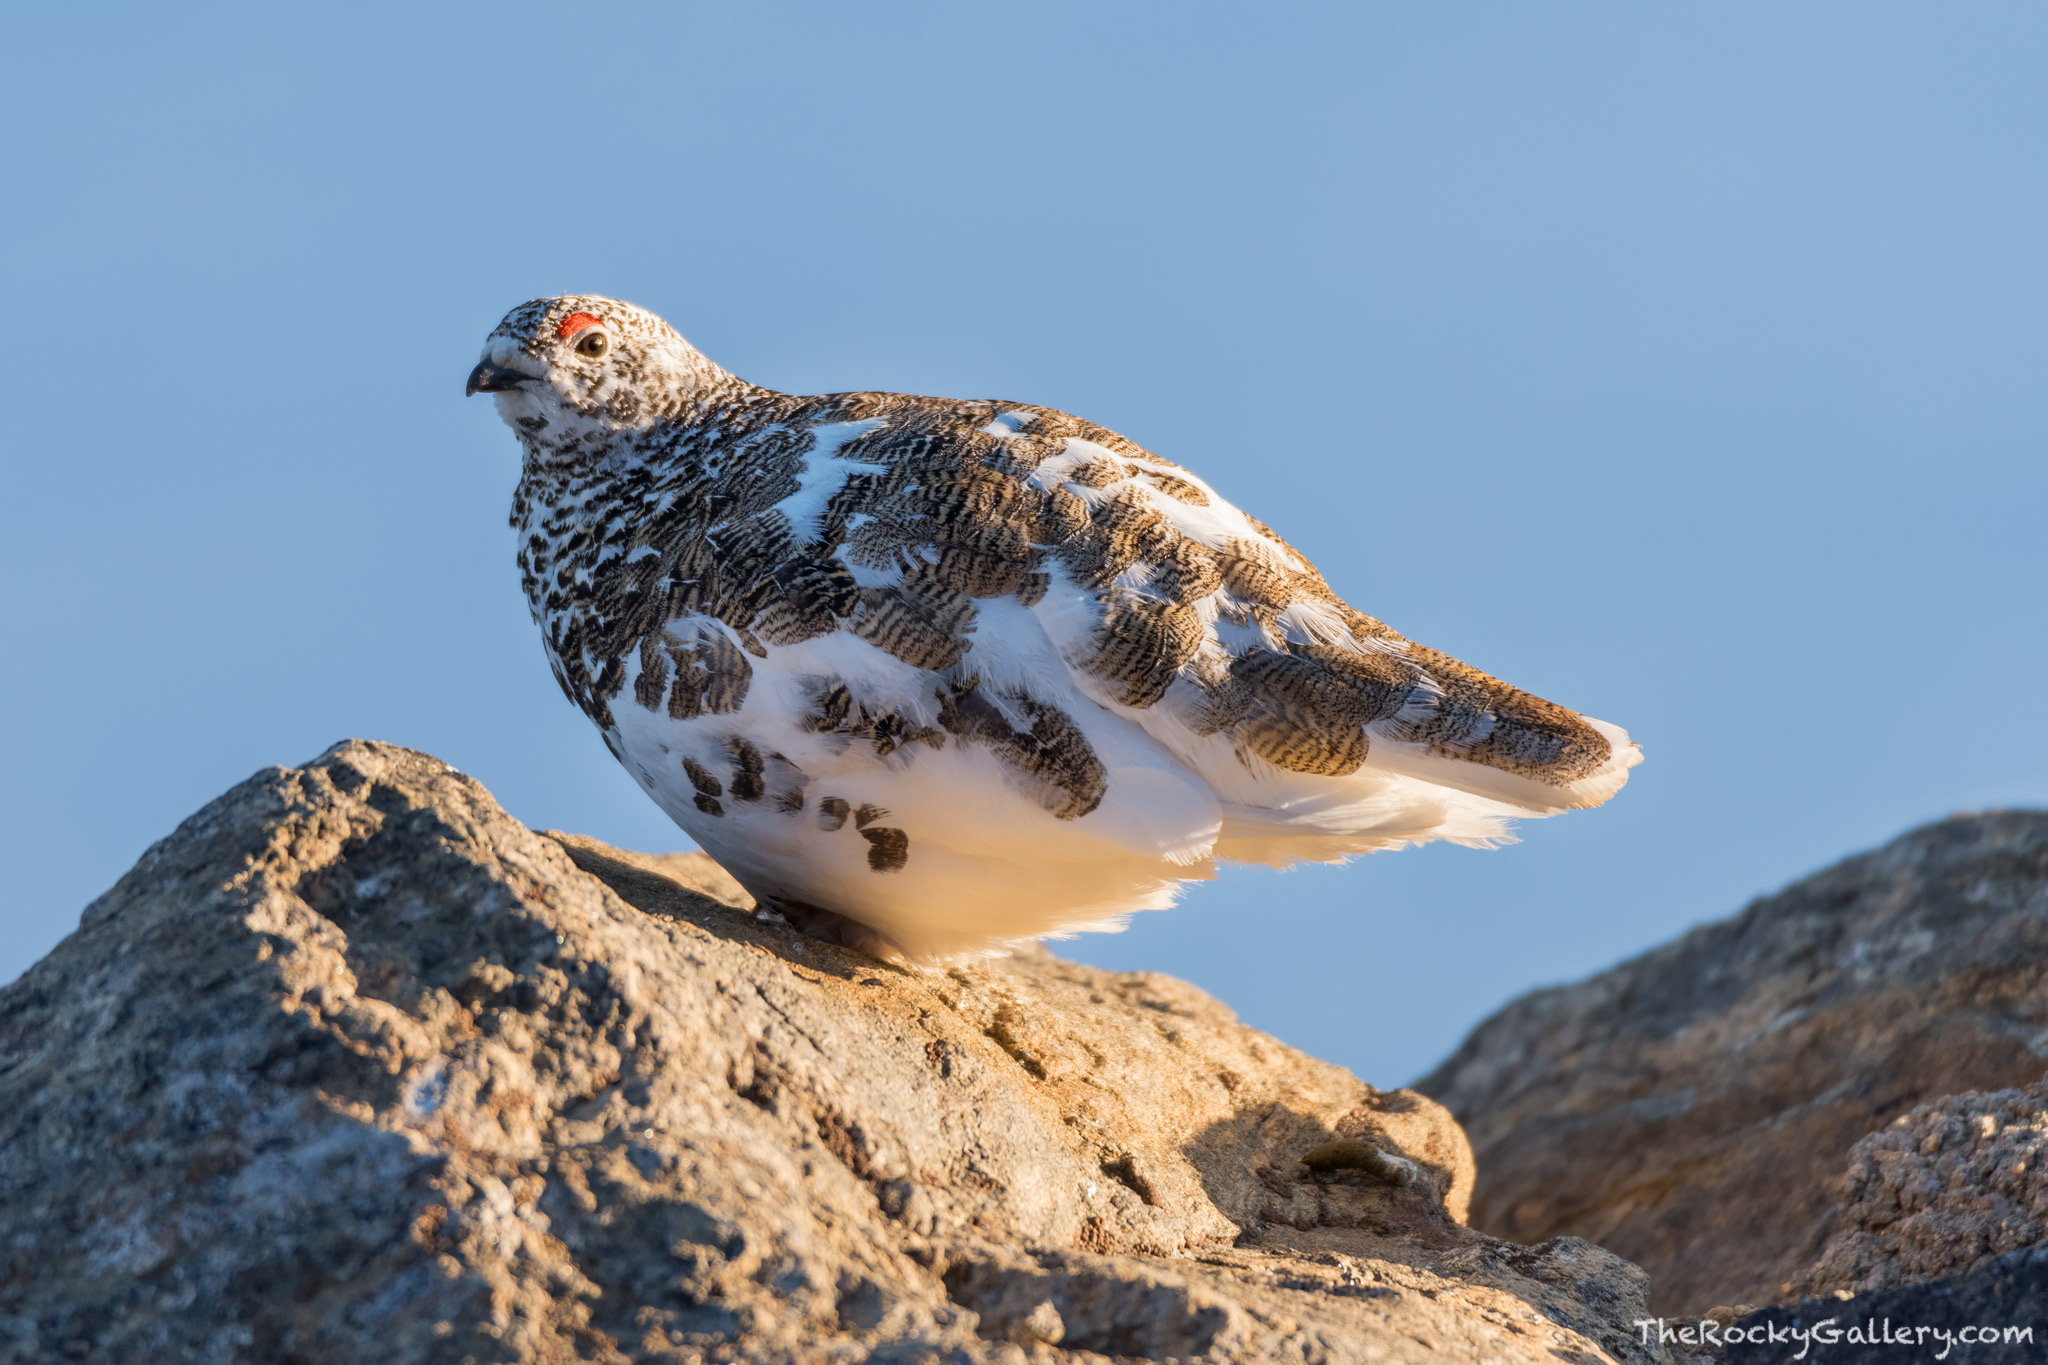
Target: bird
x=935, y=678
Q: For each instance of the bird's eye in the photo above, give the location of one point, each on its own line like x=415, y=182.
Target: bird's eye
x=593, y=343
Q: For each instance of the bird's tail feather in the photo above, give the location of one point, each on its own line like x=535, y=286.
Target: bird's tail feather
x=1406, y=794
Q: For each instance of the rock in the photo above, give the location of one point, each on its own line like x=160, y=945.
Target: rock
x=1692, y=1109
x=1944, y=1189
x=355, y=1067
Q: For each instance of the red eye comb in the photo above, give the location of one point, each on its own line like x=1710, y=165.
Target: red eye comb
x=575, y=323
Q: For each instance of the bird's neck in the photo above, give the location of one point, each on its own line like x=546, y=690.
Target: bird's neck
x=572, y=467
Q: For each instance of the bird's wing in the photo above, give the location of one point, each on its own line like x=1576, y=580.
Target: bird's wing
x=1321, y=729
x=1049, y=575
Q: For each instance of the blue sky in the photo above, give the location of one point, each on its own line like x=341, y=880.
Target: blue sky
x=1683, y=364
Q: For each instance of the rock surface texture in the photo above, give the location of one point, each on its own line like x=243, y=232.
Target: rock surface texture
x=354, y=1067
x=1942, y=1190
x=1693, y=1109
x=2007, y=1294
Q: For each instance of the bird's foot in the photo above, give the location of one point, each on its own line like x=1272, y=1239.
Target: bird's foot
x=832, y=927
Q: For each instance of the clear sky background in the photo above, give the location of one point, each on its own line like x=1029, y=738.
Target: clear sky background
x=1682, y=363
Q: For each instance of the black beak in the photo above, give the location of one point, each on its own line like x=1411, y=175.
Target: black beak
x=489, y=378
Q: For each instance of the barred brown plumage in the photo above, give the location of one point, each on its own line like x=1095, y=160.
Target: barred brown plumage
x=1066, y=672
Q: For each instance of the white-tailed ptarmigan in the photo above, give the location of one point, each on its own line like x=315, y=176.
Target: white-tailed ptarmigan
x=931, y=676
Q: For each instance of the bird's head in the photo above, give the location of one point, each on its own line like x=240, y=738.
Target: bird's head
x=583, y=365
